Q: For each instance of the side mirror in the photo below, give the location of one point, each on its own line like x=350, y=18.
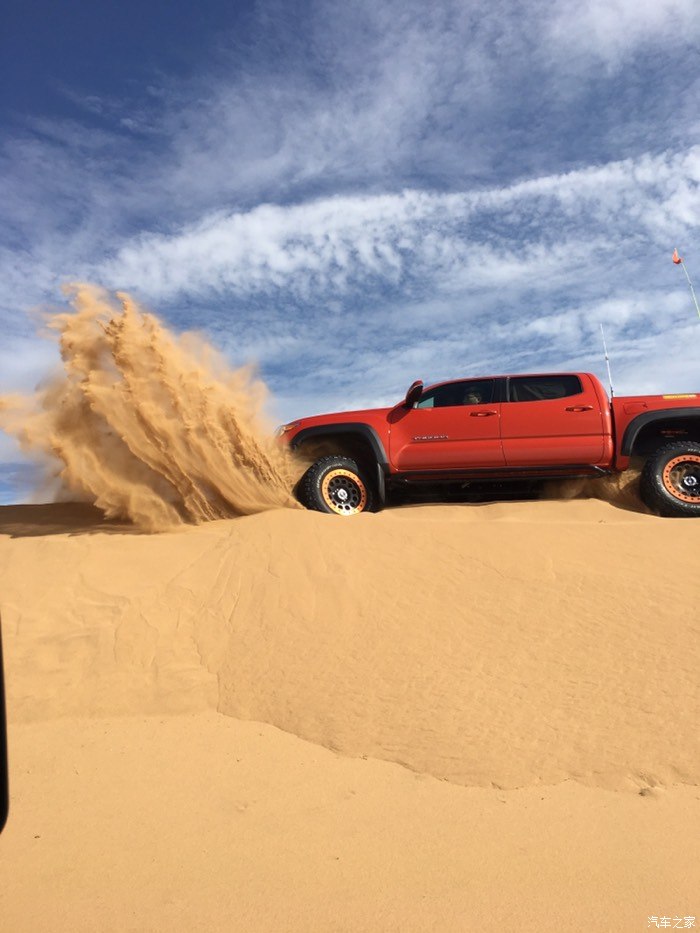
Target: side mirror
x=414, y=393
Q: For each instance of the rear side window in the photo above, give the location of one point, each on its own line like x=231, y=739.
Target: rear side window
x=543, y=388
x=473, y=392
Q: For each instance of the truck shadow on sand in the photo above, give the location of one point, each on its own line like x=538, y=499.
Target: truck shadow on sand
x=619, y=490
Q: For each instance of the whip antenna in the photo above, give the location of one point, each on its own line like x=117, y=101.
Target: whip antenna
x=607, y=360
x=678, y=260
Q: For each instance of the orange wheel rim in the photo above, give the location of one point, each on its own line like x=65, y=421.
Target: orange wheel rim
x=344, y=492
x=681, y=478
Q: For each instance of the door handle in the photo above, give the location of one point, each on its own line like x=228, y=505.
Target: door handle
x=580, y=408
x=481, y=414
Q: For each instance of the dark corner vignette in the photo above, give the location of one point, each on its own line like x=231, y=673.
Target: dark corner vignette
x=4, y=771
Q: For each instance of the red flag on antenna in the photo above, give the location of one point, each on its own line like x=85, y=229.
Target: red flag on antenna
x=676, y=258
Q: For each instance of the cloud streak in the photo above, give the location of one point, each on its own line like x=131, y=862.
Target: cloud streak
x=486, y=238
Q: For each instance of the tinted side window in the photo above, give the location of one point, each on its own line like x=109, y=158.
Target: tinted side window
x=474, y=392
x=543, y=388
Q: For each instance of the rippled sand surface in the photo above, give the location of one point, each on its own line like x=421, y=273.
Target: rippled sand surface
x=436, y=717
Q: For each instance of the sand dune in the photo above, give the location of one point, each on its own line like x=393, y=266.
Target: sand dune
x=510, y=690
x=205, y=823
x=506, y=644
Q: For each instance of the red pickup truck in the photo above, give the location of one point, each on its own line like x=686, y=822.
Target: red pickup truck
x=495, y=428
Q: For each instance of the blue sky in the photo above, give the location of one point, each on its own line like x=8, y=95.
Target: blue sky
x=357, y=195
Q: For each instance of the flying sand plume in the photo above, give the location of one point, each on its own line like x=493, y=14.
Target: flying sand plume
x=147, y=425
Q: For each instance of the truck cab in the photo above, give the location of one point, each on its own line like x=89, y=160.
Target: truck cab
x=501, y=422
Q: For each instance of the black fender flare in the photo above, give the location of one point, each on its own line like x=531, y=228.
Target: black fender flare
x=649, y=417
x=365, y=431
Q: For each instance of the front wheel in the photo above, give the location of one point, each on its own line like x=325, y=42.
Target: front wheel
x=336, y=485
x=670, y=482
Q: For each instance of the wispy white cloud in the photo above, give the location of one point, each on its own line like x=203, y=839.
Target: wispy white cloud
x=612, y=30
x=488, y=238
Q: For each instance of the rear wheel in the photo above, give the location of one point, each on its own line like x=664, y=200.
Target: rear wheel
x=670, y=483
x=336, y=485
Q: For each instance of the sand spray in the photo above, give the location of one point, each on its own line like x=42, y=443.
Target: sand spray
x=619, y=489
x=149, y=426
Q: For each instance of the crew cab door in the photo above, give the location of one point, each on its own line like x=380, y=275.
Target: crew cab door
x=550, y=420
x=453, y=426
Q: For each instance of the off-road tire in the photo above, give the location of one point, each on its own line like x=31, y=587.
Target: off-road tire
x=336, y=485
x=670, y=481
